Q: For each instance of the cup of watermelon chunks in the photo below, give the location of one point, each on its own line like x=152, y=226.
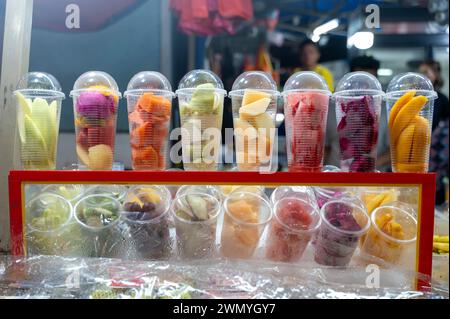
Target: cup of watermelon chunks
x=294, y=224
x=95, y=98
x=149, y=98
x=306, y=97
x=254, y=100
x=358, y=99
x=409, y=101
x=38, y=99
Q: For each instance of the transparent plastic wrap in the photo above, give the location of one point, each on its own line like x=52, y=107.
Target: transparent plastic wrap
x=45, y=277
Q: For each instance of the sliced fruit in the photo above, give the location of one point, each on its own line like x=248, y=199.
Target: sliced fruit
x=21, y=125
x=24, y=103
x=203, y=98
x=100, y=157
x=264, y=123
x=83, y=155
x=255, y=108
x=391, y=196
x=421, y=143
x=407, y=114
x=198, y=206
x=251, y=96
x=402, y=101
x=375, y=202
x=404, y=144
x=36, y=146
x=411, y=168
x=244, y=129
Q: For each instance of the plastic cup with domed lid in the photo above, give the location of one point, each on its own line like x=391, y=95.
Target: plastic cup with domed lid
x=306, y=99
x=95, y=99
x=200, y=97
x=149, y=99
x=254, y=100
x=358, y=100
x=38, y=98
x=409, y=101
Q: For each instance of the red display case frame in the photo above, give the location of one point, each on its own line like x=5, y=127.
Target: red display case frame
x=426, y=184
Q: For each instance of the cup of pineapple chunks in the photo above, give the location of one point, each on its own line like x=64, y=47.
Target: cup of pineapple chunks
x=409, y=101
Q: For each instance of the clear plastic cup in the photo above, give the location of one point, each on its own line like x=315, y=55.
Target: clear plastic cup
x=254, y=98
x=358, y=99
x=114, y=190
x=203, y=189
x=409, y=101
x=38, y=104
x=343, y=224
x=146, y=213
x=246, y=217
x=305, y=193
x=95, y=99
x=195, y=216
x=294, y=224
x=306, y=100
x=98, y=216
x=149, y=98
x=71, y=192
x=200, y=98
x=393, y=231
x=50, y=229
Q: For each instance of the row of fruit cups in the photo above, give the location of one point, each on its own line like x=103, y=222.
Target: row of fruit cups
x=254, y=102
x=292, y=216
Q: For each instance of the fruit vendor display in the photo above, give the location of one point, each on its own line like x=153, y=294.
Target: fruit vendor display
x=246, y=216
x=195, y=216
x=375, y=198
x=393, y=231
x=38, y=105
x=200, y=96
x=146, y=214
x=342, y=226
x=295, y=222
x=97, y=215
x=306, y=99
x=95, y=110
x=51, y=229
x=358, y=105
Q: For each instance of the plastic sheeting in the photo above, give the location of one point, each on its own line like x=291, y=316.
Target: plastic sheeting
x=57, y=277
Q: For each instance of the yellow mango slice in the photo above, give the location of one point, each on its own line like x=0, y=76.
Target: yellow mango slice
x=421, y=143
x=398, y=105
x=407, y=114
x=255, y=108
x=251, y=96
x=404, y=144
x=375, y=202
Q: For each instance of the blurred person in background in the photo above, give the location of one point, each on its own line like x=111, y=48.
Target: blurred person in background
x=439, y=139
x=432, y=70
x=309, y=55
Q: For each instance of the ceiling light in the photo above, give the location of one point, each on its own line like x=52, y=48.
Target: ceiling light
x=326, y=27
x=385, y=72
x=361, y=40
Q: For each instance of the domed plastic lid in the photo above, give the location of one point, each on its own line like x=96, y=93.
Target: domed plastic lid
x=194, y=78
x=306, y=82
x=358, y=83
x=149, y=81
x=39, y=83
x=254, y=80
x=95, y=80
x=410, y=81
